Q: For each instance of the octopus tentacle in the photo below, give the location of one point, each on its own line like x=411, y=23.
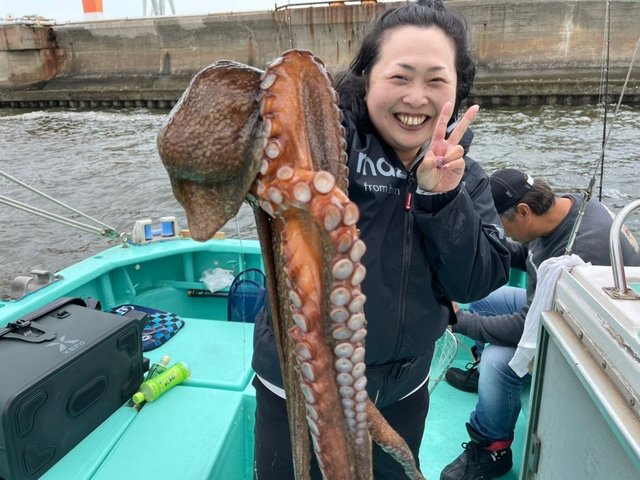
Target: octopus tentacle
x=392, y=443
x=295, y=186
x=276, y=137
x=302, y=182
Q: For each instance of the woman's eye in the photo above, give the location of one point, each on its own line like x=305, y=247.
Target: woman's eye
x=400, y=77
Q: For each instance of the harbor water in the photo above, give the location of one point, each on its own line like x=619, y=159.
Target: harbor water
x=105, y=164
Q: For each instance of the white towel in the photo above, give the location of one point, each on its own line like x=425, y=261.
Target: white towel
x=548, y=274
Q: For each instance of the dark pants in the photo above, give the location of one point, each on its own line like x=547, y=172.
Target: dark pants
x=272, y=456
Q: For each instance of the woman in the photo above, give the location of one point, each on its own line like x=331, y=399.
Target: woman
x=426, y=216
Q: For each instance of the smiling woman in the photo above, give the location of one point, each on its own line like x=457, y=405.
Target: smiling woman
x=407, y=89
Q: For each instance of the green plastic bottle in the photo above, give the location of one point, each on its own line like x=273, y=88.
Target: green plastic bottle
x=158, y=367
x=156, y=386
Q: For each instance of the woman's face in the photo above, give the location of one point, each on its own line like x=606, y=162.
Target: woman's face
x=414, y=76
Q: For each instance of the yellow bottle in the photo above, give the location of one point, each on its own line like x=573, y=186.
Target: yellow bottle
x=156, y=386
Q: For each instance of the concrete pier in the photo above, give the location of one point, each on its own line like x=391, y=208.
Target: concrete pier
x=527, y=51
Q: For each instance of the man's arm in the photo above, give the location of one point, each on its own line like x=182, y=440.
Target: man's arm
x=505, y=330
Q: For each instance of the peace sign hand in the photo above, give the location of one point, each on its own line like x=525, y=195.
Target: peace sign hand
x=443, y=166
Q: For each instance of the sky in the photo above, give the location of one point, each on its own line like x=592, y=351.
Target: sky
x=63, y=11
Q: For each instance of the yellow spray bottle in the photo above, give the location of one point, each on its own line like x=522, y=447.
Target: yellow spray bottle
x=156, y=386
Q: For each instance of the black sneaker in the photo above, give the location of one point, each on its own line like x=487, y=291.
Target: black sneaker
x=465, y=380
x=479, y=461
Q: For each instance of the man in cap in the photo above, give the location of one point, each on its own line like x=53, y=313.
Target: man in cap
x=540, y=222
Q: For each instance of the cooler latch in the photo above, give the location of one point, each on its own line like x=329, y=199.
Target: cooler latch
x=27, y=331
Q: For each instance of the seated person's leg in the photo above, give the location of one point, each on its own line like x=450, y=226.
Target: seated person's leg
x=492, y=424
x=502, y=301
x=499, y=392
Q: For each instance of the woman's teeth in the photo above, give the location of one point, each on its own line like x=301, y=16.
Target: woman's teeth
x=411, y=120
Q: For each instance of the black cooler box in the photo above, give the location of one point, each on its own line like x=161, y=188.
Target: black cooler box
x=64, y=369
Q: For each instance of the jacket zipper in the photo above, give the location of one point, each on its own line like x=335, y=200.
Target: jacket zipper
x=406, y=261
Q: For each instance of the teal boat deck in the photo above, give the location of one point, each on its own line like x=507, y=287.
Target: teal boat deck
x=202, y=429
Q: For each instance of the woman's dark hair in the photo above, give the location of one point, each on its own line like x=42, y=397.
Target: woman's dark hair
x=351, y=84
x=540, y=199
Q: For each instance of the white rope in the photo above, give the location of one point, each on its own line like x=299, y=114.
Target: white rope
x=105, y=231
x=624, y=88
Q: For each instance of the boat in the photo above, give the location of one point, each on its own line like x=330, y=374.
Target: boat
x=587, y=372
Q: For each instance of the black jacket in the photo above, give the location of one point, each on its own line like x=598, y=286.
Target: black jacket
x=423, y=251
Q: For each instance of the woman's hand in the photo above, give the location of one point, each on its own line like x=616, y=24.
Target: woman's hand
x=443, y=166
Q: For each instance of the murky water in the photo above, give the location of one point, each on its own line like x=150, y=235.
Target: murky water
x=105, y=164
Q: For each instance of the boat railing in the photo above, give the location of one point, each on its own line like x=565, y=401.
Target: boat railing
x=319, y=3
x=620, y=290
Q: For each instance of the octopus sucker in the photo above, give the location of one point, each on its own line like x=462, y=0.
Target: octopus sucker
x=343, y=241
x=294, y=298
x=302, y=192
x=340, y=296
x=346, y=391
x=307, y=371
x=359, y=335
x=358, y=360
x=277, y=137
x=301, y=322
x=311, y=412
x=358, y=275
x=348, y=403
x=341, y=333
x=303, y=351
x=268, y=79
x=360, y=384
x=267, y=207
x=272, y=150
x=356, y=322
x=268, y=126
x=358, y=249
x=324, y=182
x=285, y=173
x=343, y=350
x=357, y=303
x=339, y=314
x=275, y=195
x=308, y=394
x=331, y=218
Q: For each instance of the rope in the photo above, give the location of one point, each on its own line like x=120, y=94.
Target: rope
x=605, y=96
x=105, y=231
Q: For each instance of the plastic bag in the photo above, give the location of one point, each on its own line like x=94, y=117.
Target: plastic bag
x=217, y=279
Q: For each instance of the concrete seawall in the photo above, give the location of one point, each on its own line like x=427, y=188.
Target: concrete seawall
x=527, y=52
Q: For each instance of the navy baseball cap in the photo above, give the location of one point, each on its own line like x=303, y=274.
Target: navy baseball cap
x=508, y=186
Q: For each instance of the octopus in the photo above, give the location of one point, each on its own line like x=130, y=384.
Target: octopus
x=274, y=138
